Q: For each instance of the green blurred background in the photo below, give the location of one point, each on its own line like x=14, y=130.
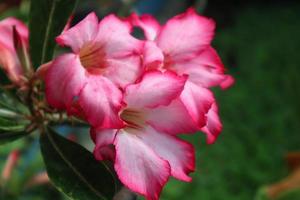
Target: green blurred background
x=259, y=42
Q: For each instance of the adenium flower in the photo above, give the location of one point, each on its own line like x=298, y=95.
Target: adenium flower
x=147, y=150
x=104, y=59
x=182, y=45
x=139, y=95
x=9, y=59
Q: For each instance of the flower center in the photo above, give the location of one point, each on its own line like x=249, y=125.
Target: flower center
x=134, y=118
x=168, y=62
x=92, y=57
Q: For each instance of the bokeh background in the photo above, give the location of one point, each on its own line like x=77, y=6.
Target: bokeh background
x=259, y=43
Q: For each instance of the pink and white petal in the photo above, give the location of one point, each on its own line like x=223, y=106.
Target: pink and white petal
x=155, y=88
x=69, y=23
x=213, y=126
x=197, y=101
x=200, y=75
x=206, y=69
x=9, y=60
x=227, y=82
x=104, y=140
x=149, y=24
x=114, y=35
x=42, y=70
x=6, y=31
x=185, y=35
x=179, y=154
x=179, y=121
x=10, y=63
x=80, y=34
x=124, y=71
x=153, y=57
x=106, y=153
x=138, y=167
x=64, y=80
x=209, y=58
x=100, y=102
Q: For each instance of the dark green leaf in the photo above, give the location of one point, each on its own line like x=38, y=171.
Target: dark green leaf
x=74, y=170
x=6, y=137
x=47, y=20
x=10, y=101
x=200, y=5
x=11, y=125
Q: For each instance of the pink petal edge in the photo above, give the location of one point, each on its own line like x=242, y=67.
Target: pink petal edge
x=138, y=167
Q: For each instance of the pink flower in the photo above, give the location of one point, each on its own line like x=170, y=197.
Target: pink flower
x=139, y=95
x=87, y=81
x=9, y=60
x=182, y=45
x=147, y=150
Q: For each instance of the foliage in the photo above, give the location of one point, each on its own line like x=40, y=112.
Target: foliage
x=83, y=176
x=44, y=27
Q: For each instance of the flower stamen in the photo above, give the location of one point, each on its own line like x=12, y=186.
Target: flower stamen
x=134, y=119
x=92, y=57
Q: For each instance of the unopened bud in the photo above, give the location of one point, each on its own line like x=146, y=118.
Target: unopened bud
x=22, y=52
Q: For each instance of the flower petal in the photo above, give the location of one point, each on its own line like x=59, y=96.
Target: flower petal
x=213, y=126
x=104, y=140
x=121, y=50
x=206, y=69
x=138, y=167
x=10, y=63
x=100, y=102
x=149, y=24
x=179, y=154
x=64, y=79
x=124, y=71
x=197, y=101
x=153, y=56
x=42, y=70
x=179, y=121
x=185, y=35
x=82, y=33
x=114, y=35
x=156, y=88
x=227, y=82
x=6, y=31
x=9, y=60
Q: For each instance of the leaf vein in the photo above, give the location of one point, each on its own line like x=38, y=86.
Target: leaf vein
x=74, y=169
x=51, y=14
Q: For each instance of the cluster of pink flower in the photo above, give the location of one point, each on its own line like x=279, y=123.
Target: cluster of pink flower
x=138, y=95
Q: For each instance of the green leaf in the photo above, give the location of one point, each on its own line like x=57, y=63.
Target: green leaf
x=11, y=130
x=6, y=137
x=10, y=102
x=47, y=20
x=74, y=171
x=12, y=125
